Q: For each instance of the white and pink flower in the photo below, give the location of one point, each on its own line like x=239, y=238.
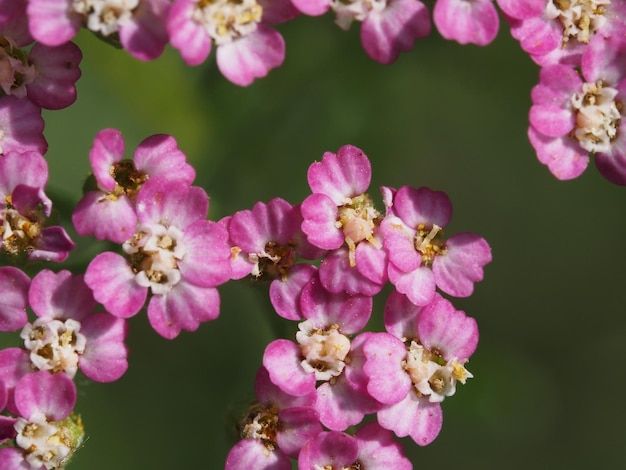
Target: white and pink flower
x=175, y=254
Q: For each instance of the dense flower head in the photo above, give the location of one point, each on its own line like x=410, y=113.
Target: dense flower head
x=577, y=113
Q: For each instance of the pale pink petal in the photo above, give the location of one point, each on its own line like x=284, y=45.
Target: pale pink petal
x=53, y=22
x=187, y=35
x=282, y=360
x=467, y=21
x=563, y=156
x=105, y=356
x=251, y=56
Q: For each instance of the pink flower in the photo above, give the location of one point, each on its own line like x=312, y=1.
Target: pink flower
x=415, y=366
x=419, y=258
x=372, y=448
x=274, y=429
x=389, y=26
x=25, y=208
x=175, y=254
x=322, y=342
x=339, y=213
x=139, y=24
x=554, y=32
x=43, y=438
x=246, y=48
x=108, y=212
x=67, y=335
x=574, y=114
x=268, y=243
x=467, y=21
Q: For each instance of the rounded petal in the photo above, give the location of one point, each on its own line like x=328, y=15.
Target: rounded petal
x=252, y=454
x=54, y=395
x=14, y=287
x=474, y=21
x=113, y=284
x=282, y=360
x=105, y=356
x=251, y=56
x=105, y=218
x=107, y=149
x=206, y=261
x=60, y=295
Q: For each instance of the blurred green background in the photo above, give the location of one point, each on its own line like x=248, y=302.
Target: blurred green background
x=547, y=391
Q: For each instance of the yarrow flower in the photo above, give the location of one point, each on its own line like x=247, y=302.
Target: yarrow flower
x=24, y=209
x=420, y=259
x=575, y=114
x=413, y=367
x=246, y=47
x=175, y=254
x=108, y=211
x=341, y=216
x=44, y=434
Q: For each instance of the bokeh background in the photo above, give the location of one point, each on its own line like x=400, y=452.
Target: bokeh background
x=549, y=372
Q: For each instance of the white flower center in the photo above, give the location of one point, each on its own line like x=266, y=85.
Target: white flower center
x=155, y=251
x=597, y=118
x=580, y=18
x=348, y=11
x=324, y=351
x=44, y=443
x=54, y=345
x=431, y=375
x=105, y=16
x=358, y=218
x=225, y=20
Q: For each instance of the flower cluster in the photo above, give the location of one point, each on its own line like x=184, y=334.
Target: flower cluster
x=334, y=372
x=578, y=104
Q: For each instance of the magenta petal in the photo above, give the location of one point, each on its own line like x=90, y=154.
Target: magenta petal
x=252, y=56
x=187, y=35
x=338, y=276
x=557, y=84
x=12, y=458
x=53, y=22
x=552, y=121
x=413, y=416
x=422, y=206
x=538, y=36
x=451, y=332
x=14, y=287
x=113, y=283
x=563, y=156
x=350, y=312
x=285, y=294
x=57, y=67
x=418, y=285
x=297, y=426
x=371, y=262
x=473, y=21
x=206, y=261
x=341, y=406
x=613, y=166
x=183, y=308
x=145, y=36
x=22, y=126
x=320, y=214
x=105, y=218
x=105, y=356
x=331, y=449
x=312, y=7
x=388, y=381
x=54, y=395
x=400, y=315
x=250, y=454
x=269, y=394
x=395, y=29
x=53, y=244
x=400, y=244
x=282, y=360
x=342, y=175
x=378, y=449
x=160, y=201
x=159, y=155
x=522, y=9
x=60, y=295
x=462, y=265
x=107, y=149
x=22, y=168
